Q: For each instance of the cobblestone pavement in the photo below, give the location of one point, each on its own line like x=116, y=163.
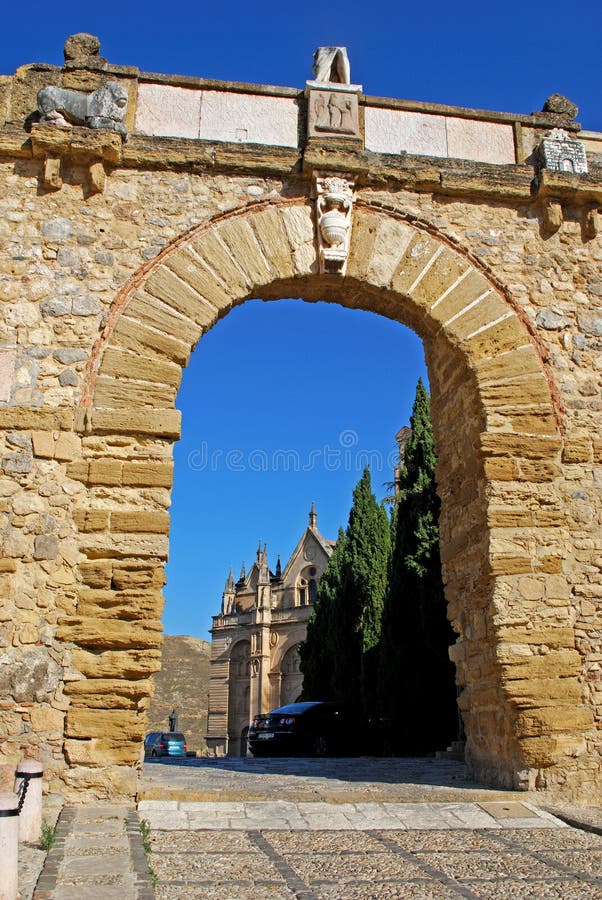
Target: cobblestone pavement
x=377, y=864
x=321, y=830
x=348, y=829
x=297, y=779
x=32, y=856
x=98, y=853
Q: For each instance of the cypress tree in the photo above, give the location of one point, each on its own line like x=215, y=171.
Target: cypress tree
x=416, y=678
x=359, y=604
x=318, y=648
x=339, y=655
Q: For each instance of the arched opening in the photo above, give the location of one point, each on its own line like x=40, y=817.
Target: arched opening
x=496, y=423
x=291, y=677
x=239, y=697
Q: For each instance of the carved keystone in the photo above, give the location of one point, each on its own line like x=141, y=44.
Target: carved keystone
x=334, y=198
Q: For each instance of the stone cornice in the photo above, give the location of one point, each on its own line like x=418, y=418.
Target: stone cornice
x=515, y=183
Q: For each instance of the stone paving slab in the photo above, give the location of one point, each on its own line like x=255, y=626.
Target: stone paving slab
x=98, y=854
x=280, y=814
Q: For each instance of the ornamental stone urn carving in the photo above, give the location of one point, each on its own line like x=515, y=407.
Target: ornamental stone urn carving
x=334, y=206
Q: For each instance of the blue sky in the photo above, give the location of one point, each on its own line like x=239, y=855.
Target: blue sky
x=282, y=401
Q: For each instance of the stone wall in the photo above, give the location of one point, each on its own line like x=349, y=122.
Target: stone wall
x=107, y=285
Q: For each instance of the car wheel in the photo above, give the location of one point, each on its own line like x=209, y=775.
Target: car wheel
x=319, y=745
x=153, y=752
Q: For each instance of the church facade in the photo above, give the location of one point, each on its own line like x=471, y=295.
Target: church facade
x=254, y=655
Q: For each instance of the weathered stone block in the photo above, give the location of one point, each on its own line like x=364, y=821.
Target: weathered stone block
x=130, y=574
x=126, y=606
x=520, y=445
x=78, y=471
x=43, y=444
x=105, y=634
x=96, y=573
x=500, y=337
x=158, y=423
x=131, y=365
x=109, y=693
x=174, y=289
x=269, y=231
x=537, y=471
x=576, y=449
x=152, y=474
x=144, y=307
x=89, y=520
x=102, y=753
x=192, y=272
x=448, y=286
x=555, y=664
x=216, y=255
x=45, y=546
x=363, y=237
x=67, y=447
x=128, y=663
x=100, y=723
x=137, y=337
x=28, y=675
x=115, y=393
x=241, y=240
x=105, y=471
x=45, y=718
x=553, y=637
x=152, y=521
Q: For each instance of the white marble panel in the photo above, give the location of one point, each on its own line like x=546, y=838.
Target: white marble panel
x=488, y=142
x=167, y=111
x=398, y=131
x=7, y=366
x=249, y=118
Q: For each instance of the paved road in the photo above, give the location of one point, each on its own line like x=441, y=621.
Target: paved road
x=321, y=830
x=350, y=829
x=334, y=780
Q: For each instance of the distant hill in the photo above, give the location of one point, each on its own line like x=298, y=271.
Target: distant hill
x=183, y=683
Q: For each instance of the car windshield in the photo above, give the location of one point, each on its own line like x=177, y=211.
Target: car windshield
x=297, y=708
x=173, y=736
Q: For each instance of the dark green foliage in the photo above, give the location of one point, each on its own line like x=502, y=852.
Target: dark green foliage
x=366, y=563
x=416, y=678
x=378, y=636
x=318, y=649
x=337, y=657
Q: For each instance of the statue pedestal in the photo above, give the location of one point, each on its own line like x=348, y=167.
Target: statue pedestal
x=333, y=113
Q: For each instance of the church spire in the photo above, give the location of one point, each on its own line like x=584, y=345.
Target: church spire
x=313, y=516
x=278, y=568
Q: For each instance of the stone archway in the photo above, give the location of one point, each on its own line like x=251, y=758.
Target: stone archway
x=498, y=429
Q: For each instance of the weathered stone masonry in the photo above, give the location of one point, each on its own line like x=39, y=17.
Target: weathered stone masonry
x=117, y=256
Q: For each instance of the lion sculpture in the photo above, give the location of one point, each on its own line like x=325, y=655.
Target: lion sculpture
x=105, y=108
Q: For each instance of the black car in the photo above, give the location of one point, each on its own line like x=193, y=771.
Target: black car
x=314, y=728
